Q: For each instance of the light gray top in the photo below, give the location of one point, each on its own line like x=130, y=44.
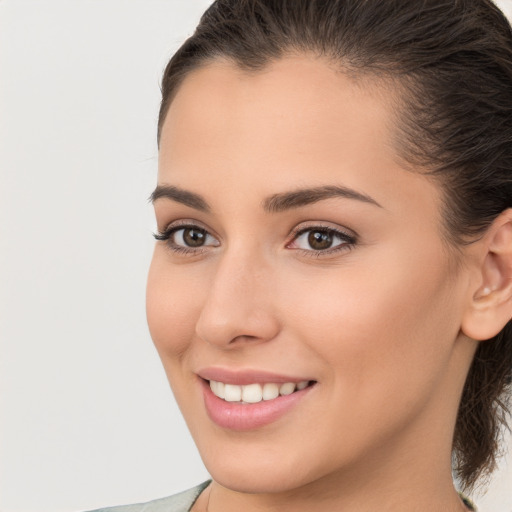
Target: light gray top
x=181, y=502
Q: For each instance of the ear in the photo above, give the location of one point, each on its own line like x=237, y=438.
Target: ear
x=490, y=306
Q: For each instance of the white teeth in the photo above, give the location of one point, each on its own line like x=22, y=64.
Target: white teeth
x=220, y=389
x=270, y=391
x=287, y=388
x=232, y=393
x=254, y=393
x=217, y=388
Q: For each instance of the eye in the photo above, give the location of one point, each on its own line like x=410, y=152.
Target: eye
x=190, y=237
x=187, y=238
x=318, y=239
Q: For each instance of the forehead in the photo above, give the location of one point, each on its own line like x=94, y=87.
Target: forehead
x=296, y=122
x=294, y=102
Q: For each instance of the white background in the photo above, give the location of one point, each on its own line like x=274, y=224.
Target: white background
x=87, y=418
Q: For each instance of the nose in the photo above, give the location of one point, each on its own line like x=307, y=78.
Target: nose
x=238, y=305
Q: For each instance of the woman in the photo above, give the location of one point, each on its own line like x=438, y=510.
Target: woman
x=331, y=288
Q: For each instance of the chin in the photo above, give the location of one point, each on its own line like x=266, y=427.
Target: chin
x=260, y=468
x=251, y=481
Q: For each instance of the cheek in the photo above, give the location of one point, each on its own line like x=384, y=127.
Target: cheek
x=380, y=331
x=172, y=307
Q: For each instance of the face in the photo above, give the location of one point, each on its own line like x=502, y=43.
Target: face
x=296, y=254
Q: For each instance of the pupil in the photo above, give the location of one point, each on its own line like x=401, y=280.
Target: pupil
x=319, y=240
x=194, y=237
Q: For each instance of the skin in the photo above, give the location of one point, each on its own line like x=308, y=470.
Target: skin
x=379, y=324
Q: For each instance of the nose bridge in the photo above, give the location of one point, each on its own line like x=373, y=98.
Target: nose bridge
x=238, y=302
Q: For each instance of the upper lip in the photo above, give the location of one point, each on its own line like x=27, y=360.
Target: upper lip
x=244, y=377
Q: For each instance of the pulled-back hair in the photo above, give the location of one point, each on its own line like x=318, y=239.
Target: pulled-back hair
x=450, y=62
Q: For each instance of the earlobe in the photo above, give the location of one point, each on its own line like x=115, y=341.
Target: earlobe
x=490, y=305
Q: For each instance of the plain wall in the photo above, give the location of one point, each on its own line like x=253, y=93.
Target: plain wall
x=87, y=418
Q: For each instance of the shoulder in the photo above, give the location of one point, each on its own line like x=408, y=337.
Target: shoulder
x=181, y=502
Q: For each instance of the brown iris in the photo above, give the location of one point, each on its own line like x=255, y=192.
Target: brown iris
x=319, y=240
x=194, y=237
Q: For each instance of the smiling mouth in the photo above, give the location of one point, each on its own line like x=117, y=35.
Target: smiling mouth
x=255, y=393
x=249, y=404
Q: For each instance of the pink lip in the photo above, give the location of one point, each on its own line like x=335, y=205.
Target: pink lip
x=244, y=377
x=242, y=417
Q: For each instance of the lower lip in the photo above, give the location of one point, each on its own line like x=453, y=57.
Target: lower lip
x=239, y=416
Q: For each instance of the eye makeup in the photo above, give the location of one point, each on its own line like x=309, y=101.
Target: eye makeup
x=314, y=240
x=323, y=240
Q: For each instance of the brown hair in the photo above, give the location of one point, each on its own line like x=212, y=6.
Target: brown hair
x=453, y=60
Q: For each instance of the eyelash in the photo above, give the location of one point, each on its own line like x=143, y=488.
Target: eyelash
x=348, y=241
x=165, y=236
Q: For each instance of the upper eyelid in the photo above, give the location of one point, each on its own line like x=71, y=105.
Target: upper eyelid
x=300, y=228
x=184, y=223
x=348, y=238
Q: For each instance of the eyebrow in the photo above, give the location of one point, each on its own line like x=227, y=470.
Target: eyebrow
x=302, y=197
x=273, y=204
x=180, y=196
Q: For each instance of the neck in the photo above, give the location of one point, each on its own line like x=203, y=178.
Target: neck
x=218, y=499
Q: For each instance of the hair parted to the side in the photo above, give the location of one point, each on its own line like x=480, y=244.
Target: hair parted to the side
x=451, y=60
